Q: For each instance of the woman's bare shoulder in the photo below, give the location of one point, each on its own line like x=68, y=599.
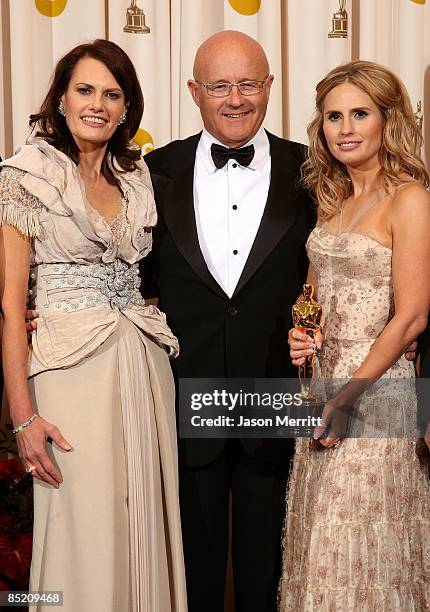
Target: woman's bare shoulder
x=409, y=197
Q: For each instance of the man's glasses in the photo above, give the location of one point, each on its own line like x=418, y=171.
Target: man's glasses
x=222, y=90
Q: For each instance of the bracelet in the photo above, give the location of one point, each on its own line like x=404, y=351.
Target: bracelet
x=25, y=424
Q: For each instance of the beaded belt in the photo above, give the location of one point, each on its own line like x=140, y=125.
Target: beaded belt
x=69, y=286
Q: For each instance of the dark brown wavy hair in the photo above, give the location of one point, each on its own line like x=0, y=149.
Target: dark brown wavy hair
x=50, y=125
x=399, y=154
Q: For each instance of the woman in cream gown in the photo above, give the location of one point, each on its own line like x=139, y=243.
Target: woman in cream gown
x=109, y=537
x=357, y=530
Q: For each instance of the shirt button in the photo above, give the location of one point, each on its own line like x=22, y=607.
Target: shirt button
x=235, y=252
x=234, y=165
x=232, y=311
x=234, y=207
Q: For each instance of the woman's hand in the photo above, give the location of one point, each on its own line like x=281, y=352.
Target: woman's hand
x=302, y=345
x=334, y=423
x=32, y=450
x=323, y=434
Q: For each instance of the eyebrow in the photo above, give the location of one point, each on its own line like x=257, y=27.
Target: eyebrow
x=92, y=86
x=239, y=81
x=353, y=110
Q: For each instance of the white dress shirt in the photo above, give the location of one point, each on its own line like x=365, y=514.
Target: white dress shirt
x=228, y=204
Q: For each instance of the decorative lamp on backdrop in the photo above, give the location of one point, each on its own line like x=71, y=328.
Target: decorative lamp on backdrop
x=339, y=22
x=135, y=20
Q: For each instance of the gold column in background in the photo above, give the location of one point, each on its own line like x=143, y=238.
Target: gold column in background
x=355, y=30
x=6, y=140
x=107, y=19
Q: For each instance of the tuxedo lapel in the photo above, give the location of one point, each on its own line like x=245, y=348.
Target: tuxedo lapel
x=280, y=210
x=179, y=215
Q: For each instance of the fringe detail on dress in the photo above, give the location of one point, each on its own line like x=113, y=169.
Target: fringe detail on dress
x=25, y=220
x=18, y=207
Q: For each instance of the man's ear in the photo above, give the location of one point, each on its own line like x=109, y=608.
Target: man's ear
x=269, y=82
x=194, y=90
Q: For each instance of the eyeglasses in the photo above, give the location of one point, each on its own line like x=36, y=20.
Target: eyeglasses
x=222, y=90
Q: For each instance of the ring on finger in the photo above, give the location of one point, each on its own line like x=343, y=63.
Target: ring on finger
x=30, y=469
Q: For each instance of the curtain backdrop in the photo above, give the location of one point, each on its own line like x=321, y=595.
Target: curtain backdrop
x=303, y=40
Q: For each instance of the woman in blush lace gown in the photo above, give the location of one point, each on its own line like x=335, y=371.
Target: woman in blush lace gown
x=357, y=532
x=77, y=211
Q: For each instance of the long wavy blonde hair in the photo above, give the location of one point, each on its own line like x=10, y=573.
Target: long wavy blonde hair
x=399, y=154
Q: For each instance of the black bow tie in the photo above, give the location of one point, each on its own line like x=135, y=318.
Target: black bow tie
x=221, y=155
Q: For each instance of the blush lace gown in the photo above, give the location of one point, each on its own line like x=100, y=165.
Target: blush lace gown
x=110, y=537
x=357, y=531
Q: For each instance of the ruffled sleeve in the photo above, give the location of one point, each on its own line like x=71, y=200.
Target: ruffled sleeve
x=18, y=207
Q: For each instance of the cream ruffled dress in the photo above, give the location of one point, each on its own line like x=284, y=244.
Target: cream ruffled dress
x=110, y=537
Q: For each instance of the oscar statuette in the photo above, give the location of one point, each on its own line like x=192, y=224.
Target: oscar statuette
x=306, y=318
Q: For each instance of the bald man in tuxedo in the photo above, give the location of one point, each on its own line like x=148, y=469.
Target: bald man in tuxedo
x=228, y=263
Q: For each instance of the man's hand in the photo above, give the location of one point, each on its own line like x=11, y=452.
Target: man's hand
x=411, y=351
x=427, y=437
x=31, y=320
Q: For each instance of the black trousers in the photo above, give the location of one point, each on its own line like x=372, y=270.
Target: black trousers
x=258, y=510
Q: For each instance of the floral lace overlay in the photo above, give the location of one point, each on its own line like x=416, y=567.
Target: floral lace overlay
x=357, y=531
x=18, y=207
x=119, y=223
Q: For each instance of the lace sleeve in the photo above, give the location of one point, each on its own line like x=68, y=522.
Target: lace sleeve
x=18, y=207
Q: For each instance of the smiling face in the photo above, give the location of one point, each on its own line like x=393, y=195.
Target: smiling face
x=93, y=102
x=231, y=57
x=352, y=125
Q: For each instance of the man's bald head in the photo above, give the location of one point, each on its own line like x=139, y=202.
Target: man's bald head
x=231, y=57
x=226, y=49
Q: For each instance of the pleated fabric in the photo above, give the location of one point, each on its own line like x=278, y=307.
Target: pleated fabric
x=110, y=537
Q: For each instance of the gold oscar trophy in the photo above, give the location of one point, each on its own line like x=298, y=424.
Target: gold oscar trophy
x=135, y=20
x=306, y=318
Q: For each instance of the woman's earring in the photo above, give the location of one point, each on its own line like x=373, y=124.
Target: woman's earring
x=62, y=110
x=122, y=118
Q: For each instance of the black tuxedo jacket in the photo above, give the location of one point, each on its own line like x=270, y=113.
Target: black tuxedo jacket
x=423, y=399
x=424, y=350
x=244, y=336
